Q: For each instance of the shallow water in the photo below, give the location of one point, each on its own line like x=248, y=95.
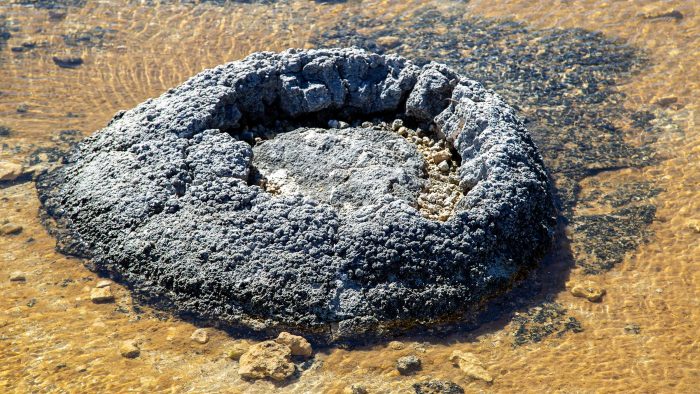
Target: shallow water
x=625, y=157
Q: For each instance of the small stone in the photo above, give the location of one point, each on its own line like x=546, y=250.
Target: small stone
x=355, y=389
x=10, y=229
x=408, y=365
x=103, y=283
x=589, y=291
x=633, y=328
x=9, y=171
x=267, y=359
x=367, y=125
x=101, y=295
x=298, y=345
x=333, y=124
x=200, y=335
x=470, y=365
x=396, y=345
x=666, y=101
x=129, y=349
x=403, y=131
x=444, y=167
x=67, y=62
x=17, y=276
x=437, y=387
x=388, y=41
x=441, y=156
x=396, y=124
x=674, y=14
x=343, y=125
x=235, y=351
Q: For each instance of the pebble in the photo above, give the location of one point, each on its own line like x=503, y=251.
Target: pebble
x=396, y=345
x=367, y=125
x=694, y=225
x=408, y=365
x=355, y=389
x=67, y=62
x=129, y=349
x=674, y=14
x=470, y=365
x=333, y=124
x=9, y=171
x=632, y=328
x=17, y=276
x=235, y=351
x=103, y=283
x=200, y=335
x=397, y=124
x=589, y=291
x=343, y=125
x=437, y=387
x=101, y=295
x=441, y=156
x=299, y=346
x=388, y=41
x=403, y=131
x=666, y=101
x=10, y=229
x=267, y=359
x=444, y=167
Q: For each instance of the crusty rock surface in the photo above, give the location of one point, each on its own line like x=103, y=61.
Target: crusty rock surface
x=168, y=197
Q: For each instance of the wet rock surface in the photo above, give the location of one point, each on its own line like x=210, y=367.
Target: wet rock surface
x=168, y=197
x=346, y=168
x=550, y=318
x=565, y=83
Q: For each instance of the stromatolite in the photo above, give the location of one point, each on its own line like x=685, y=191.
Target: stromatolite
x=168, y=198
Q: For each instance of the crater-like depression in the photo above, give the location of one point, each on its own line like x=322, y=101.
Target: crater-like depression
x=335, y=193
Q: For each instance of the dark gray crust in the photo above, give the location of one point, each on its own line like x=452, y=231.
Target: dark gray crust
x=160, y=200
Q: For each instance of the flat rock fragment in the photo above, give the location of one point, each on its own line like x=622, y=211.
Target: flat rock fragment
x=470, y=365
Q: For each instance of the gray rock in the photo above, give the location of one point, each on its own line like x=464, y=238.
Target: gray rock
x=437, y=387
x=408, y=364
x=165, y=197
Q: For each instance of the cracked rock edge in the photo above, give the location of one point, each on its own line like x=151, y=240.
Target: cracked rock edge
x=159, y=199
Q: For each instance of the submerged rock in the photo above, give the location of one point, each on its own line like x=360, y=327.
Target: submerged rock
x=101, y=295
x=470, y=365
x=67, y=62
x=236, y=350
x=267, y=359
x=437, y=387
x=9, y=171
x=202, y=203
x=298, y=345
x=129, y=349
x=10, y=229
x=588, y=290
x=408, y=364
x=200, y=336
x=17, y=276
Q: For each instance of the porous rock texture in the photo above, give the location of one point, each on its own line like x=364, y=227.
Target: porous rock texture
x=165, y=199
